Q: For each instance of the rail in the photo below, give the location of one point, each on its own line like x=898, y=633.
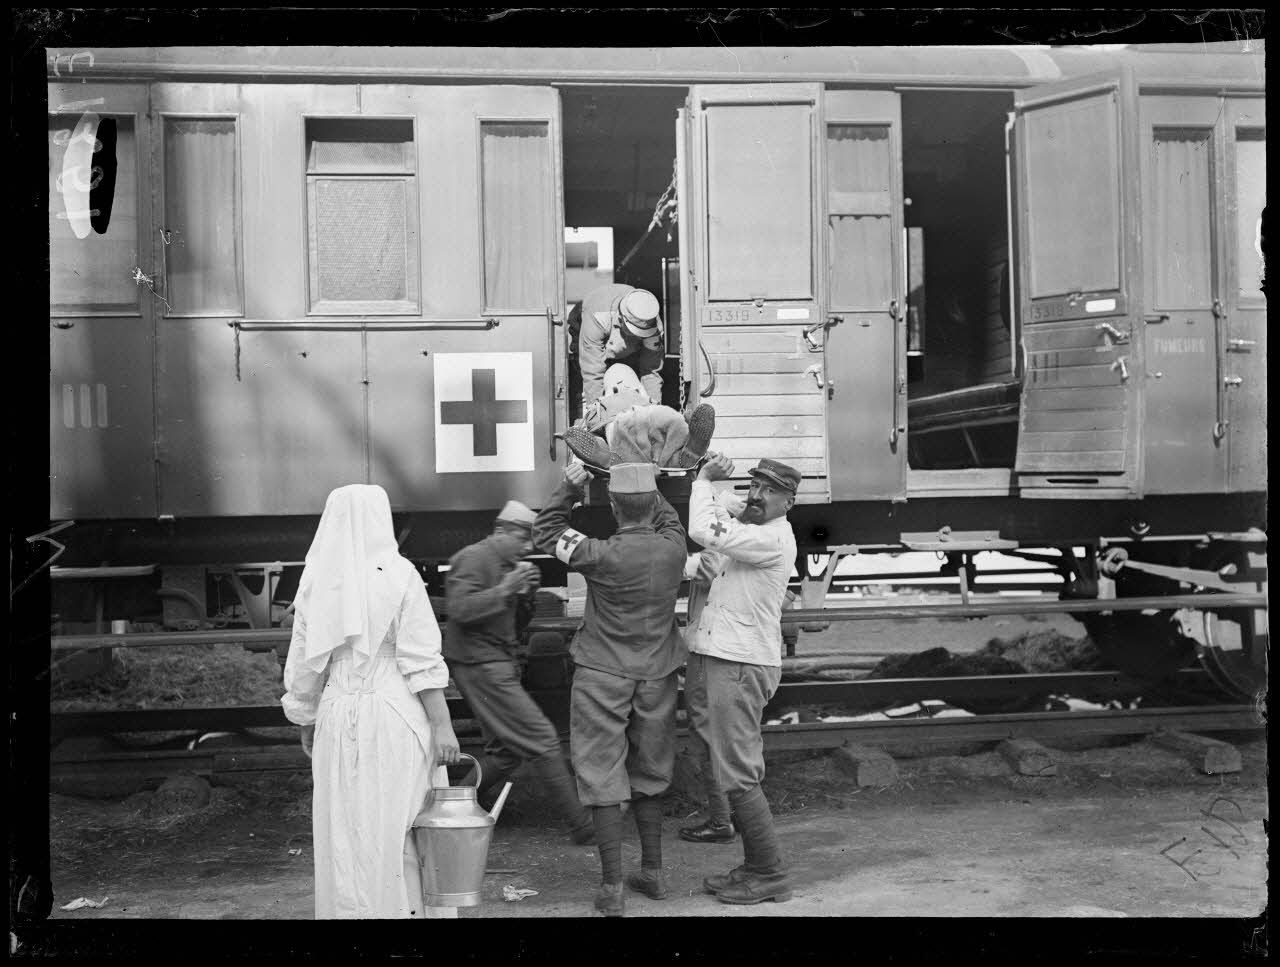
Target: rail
x=977, y=609
x=91, y=765
x=874, y=692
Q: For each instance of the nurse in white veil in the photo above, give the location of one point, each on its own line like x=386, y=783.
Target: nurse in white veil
x=365, y=679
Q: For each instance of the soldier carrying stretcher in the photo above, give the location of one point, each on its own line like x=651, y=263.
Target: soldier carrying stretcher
x=627, y=655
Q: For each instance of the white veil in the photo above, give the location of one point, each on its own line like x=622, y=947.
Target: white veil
x=354, y=579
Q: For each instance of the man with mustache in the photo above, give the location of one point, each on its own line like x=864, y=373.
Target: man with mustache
x=735, y=660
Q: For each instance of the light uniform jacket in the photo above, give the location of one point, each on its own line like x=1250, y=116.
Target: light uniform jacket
x=741, y=620
x=593, y=339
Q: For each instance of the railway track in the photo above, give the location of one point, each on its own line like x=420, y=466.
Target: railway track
x=263, y=755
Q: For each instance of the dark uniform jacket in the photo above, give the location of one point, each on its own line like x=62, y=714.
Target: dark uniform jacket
x=633, y=579
x=484, y=623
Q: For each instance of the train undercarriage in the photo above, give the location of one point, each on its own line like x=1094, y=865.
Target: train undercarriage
x=1215, y=580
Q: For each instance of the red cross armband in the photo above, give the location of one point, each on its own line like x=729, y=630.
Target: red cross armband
x=568, y=543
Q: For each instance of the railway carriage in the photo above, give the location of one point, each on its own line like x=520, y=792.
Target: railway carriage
x=983, y=298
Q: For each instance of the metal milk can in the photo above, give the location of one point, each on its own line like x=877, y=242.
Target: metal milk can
x=452, y=836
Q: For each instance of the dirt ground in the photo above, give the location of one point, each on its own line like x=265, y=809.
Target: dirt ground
x=1123, y=830
x=1127, y=831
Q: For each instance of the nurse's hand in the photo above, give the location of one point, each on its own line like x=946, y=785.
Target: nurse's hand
x=308, y=739
x=446, y=743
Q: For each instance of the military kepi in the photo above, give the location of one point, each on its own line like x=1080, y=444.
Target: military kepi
x=779, y=474
x=516, y=513
x=633, y=478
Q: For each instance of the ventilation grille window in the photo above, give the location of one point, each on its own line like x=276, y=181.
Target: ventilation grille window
x=362, y=216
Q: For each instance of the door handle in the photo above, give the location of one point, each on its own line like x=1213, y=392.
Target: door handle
x=809, y=333
x=1110, y=331
x=1232, y=380
x=1220, y=424
x=1237, y=344
x=552, y=322
x=1154, y=317
x=1121, y=364
x=895, y=427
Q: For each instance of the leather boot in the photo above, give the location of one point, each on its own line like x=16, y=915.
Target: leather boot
x=722, y=881
x=652, y=883
x=552, y=771
x=609, y=900
x=754, y=887
x=709, y=832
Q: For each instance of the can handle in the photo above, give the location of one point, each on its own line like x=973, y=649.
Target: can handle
x=479, y=771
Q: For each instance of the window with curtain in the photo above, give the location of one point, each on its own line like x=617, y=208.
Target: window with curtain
x=1182, y=216
x=201, y=228
x=1251, y=199
x=759, y=202
x=521, y=250
x=1073, y=189
x=93, y=215
x=362, y=216
x=859, y=193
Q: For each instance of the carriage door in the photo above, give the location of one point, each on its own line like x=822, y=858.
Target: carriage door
x=751, y=213
x=1244, y=326
x=1184, y=428
x=102, y=334
x=1077, y=159
x=865, y=346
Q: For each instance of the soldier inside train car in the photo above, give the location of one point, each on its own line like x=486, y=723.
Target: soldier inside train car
x=620, y=323
x=489, y=598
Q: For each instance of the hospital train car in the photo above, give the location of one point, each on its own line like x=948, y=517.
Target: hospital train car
x=983, y=298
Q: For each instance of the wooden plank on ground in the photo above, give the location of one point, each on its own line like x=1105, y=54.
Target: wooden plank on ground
x=1210, y=756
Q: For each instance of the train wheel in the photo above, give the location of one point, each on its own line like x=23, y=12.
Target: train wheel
x=1233, y=650
x=1232, y=645
x=1142, y=644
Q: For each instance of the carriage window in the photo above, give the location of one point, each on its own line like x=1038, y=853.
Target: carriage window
x=201, y=218
x=1182, y=208
x=759, y=202
x=1251, y=199
x=362, y=216
x=1073, y=186
x=859, y=176
x=93, y=214
x=521, y=250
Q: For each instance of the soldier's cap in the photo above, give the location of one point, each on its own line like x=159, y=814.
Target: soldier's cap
x=516, y=514
x=633, y=478
x=779, y=474
x=638, y=311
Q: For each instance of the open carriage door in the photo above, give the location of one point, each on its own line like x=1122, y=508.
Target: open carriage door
x=1077, y=163
x=865, y=346
x=749, y=217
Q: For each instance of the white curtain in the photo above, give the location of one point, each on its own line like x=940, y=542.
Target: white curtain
x=519, y=258
x=202, y=264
